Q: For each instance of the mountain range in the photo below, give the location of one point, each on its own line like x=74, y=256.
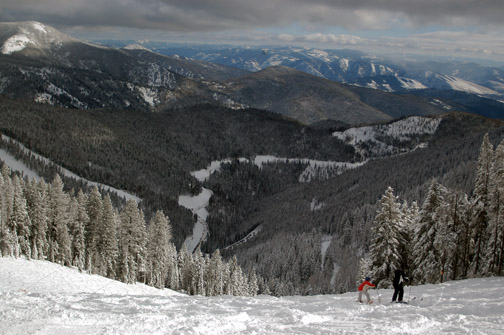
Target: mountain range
x=355, y=67
x=39, y=63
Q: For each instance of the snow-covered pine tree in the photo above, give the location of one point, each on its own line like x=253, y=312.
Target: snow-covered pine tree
x=3, y=223
x=215, y=275
x=58, y=236
x=426, y=259
x=20, y=223
x=458, y=204
x=94, y=211
x=237, y=282
x=466, y=245
x=158, y=250
x=252, y=284
x=10, y=244
x=28, y=191
x=9, y=240
x=411, y=216
x=495, y=248
x=198, y=286
x=481, y=205
x=107, y=245
x=445, y=241
x=385, y=249
x=8, y=193
x=37, y=210
x=77, y=230
x=173, y=269
x=184, y=260
x=132, y=239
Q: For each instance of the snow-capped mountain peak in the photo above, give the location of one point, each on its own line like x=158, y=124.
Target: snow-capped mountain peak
x=16, y=37
x=136, y=47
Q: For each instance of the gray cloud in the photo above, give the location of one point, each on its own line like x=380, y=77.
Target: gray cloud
x=215, y=15
x=247, y=22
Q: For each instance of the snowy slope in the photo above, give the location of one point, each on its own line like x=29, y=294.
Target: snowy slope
x=16, y=165
x=17, y=36
x=38, y=297
x=458, y=84
x=370, y=140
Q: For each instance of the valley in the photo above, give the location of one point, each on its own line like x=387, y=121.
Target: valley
x=265, y=160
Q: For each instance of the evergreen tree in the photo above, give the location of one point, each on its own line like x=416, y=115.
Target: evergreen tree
x=410, y=222
x=9, y=242
x=77, y=230
x=481, y=204
x=426, y=257
x=495, y=249
x=173, y=269
x=3, y=223
x=107, y=244
x=20, y=223
x=158, y=255
x=58, y=236
x=215, y=276
x=185, y=269
x=446, y=238
x=38, y=214
x=466, y=245
x=385, y=253
x=132, y=241
x=409, y=216
x=252, y=284
x=94, y=211
x=460, y=228
x=237, y=283
x=199, y=266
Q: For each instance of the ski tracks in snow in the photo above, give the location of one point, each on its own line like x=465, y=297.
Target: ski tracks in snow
x=42, y=298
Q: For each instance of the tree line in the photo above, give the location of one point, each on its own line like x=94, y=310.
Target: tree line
x=452, y=236
x=85, y=231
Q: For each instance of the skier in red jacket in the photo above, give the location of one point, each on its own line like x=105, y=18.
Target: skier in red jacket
x=363, y=289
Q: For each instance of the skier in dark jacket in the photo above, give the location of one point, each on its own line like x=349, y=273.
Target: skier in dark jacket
x=399, y=280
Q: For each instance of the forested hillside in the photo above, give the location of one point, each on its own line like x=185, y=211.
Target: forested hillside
x=346, y=207
x=84, y=231
x=452, y=235
x=151, y=154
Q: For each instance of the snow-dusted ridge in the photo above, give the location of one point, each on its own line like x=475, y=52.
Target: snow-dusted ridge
x=403, y=130
x=312, y=171
x=31, y=34
x=17, y=165
x=38, y=297
x=458, y=84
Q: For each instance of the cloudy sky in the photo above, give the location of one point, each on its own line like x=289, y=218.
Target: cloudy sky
x=464, y=28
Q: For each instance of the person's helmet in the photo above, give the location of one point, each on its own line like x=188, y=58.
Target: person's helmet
x=368, y=279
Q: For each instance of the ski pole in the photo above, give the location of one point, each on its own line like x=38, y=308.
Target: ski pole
x=378, y=294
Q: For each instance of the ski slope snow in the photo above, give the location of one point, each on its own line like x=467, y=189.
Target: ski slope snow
x=38, y=297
